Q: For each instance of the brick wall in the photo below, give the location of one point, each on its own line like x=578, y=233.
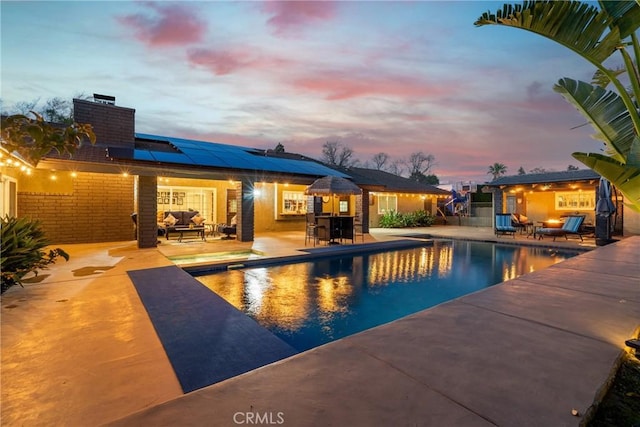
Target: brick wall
x=246, y=211
x=147, y=206
x=97, y=210
x=112, y=125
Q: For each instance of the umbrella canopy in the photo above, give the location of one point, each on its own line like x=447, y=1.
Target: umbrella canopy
x=604, y=205
x=332, y=185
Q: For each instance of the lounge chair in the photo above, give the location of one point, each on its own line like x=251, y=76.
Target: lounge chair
x=571, y=226
x=503, y=225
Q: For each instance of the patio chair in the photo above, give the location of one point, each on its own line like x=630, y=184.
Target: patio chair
x=311, y=233
x=571, y=226
x=503, y=225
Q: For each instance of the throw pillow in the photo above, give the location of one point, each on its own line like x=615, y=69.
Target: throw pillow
x=198, y=220
x=170, y=220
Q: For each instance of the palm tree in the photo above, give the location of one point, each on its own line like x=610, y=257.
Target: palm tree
x=596, y=35
x=497, y=170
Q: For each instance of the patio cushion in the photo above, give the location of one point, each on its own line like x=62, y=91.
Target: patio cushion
x=170, y=220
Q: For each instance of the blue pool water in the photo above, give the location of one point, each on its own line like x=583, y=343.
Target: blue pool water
x=311, y=303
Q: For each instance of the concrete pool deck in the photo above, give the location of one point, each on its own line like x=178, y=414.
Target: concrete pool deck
x=82, y=351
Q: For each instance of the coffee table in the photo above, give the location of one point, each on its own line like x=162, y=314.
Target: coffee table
x=197, y=232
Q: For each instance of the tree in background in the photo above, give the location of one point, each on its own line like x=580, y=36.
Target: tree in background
x=279, y=148
x=538, y=170
x=54, y=110
x=396, y=167
x=336, y=154
x=596, y=35
x=572, y=168
x=419, y=166
x=497, y=170
x=521, y=171
x=380, y=161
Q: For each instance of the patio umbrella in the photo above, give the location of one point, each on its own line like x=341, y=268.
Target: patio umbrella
x=604, y=209
x=332, y=186
x=604, y=205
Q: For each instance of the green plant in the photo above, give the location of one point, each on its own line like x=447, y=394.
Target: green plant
x=595, y=34
x=423, y=219
x=34, y=138
x=22, y=252
x=393, y=219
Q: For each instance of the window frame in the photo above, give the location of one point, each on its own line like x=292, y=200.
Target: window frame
x=387, y=198
x=575, y=200
x=294, y=202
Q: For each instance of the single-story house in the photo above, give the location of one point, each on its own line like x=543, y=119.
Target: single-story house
x=385, y=192
x=91, y=197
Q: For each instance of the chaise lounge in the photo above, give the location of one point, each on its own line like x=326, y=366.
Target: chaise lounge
x=503, y=225
x=571, y=226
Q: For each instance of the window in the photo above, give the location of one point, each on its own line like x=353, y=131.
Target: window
x=188, y=198
x=387, y=203
x=575, y=200
x=294, y=202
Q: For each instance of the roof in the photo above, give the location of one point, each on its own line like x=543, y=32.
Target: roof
x=374, y=179
x=547, y=177
x=178, y=151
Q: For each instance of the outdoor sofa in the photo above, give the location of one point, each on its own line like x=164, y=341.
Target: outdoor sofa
x=169, y=221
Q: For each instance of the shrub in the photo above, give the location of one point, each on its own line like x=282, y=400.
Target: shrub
x=22, y=252
x=393, y=219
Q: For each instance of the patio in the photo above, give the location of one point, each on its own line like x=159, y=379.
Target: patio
x=82, y=350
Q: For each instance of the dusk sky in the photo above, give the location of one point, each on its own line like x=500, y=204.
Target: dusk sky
x=394, y=77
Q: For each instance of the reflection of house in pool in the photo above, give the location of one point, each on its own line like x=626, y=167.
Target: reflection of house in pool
x=554, y=195
x=90, y=197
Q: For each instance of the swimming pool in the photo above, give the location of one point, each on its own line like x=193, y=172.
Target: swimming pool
x=308, y=304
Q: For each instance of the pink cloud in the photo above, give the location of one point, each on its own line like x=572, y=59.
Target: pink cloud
x=218, y=62
x=292, y=16
x=221, y=62
x=338, y=86
x=172, y=25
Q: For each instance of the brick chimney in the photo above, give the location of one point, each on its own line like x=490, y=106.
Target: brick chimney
x=113, y=125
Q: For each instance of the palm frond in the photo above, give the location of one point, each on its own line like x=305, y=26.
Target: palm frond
x=601, y=79
x=625, y=14
x=580, y=27
x=605, y=111
x=626, y=178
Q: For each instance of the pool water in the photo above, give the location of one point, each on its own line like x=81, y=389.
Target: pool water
x=311, y=303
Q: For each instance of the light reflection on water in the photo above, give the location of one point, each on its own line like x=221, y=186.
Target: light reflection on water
x=311, y=303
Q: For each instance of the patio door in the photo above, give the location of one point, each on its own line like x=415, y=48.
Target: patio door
x=511, y=204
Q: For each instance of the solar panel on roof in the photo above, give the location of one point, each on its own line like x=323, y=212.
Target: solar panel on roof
x=142, y=155
x=213, y=154
x=178, y=158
